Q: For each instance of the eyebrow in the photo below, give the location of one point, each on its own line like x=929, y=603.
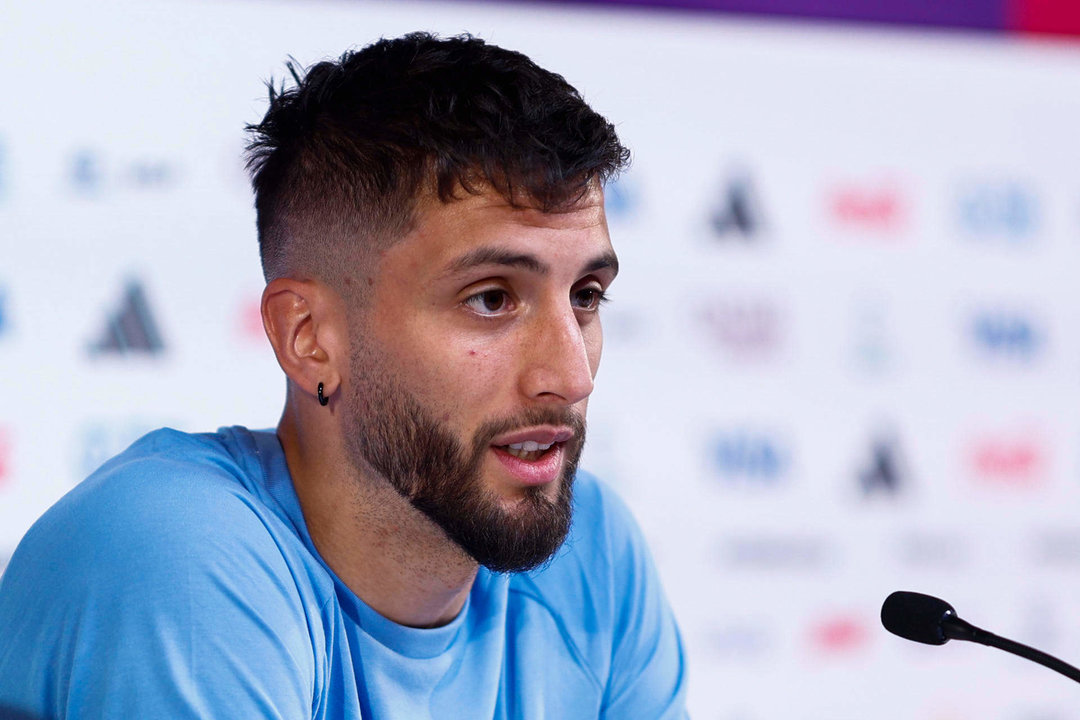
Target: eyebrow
x=525, y=261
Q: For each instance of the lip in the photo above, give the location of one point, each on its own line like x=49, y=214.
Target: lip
x=542, y=434
x=544, y=470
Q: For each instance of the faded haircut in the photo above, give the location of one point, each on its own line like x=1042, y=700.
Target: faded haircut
x=342, y=157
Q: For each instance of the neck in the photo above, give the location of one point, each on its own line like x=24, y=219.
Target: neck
x=386, y=551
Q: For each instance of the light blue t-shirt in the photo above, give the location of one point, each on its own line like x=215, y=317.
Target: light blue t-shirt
x=179, y=581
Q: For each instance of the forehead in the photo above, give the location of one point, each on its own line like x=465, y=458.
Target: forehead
x=442, y=231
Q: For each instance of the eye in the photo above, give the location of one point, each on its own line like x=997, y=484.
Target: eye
x=589, y=298
x=489, y=302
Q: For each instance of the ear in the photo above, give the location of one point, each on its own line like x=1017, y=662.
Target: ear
x=305, y=322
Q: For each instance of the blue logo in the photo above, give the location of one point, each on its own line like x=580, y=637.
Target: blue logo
x=1003, y=334
x=740, y=641
x=748, y=457
x=1006, y=211
x=89, y=174
x=151, y=174
x=85, y=171
x=3, y=170
x=620, y=198
x=4, y=322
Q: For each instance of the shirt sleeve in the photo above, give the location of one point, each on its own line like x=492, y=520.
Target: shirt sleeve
x=158, y=597
x=648, y=668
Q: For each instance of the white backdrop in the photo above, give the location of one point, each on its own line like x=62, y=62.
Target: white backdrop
x=842, y=356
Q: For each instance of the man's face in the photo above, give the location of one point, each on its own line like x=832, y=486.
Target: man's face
x=472, y=365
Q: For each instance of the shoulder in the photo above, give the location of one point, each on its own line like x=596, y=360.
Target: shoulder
x=172, y=510
x=166, y=562
x=167, y=483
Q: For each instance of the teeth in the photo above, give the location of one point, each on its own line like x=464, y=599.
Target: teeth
x=529, y=446
x=528, y=450
x=523, y=454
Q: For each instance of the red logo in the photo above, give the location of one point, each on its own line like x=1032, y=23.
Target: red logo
x=249, y=324
x=839, y=635
x=5, y=456
x=1008, y=461
x=859, y=207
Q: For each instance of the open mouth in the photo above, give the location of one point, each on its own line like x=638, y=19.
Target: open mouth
x=529, y=450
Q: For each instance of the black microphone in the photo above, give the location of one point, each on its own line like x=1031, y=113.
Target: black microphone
x=933, y=621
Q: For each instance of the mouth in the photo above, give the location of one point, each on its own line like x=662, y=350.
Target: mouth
x=531, y=463
x=529, y=450
x=534, y=455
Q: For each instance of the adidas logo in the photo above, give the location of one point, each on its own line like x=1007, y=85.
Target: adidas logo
x=131, y=328
x=738, y=212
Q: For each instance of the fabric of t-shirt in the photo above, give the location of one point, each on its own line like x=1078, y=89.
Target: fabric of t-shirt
x=180, y=581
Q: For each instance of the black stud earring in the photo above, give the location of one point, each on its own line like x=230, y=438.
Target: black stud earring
x=323, y=400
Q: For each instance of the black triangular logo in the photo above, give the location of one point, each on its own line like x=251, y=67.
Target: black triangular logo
x=131, y=328
x=737, y=213
x=881, y=474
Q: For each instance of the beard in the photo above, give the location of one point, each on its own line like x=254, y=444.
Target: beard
x=442, y=477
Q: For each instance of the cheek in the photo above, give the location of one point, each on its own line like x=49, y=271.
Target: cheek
x=481, y=373
x=480, y=366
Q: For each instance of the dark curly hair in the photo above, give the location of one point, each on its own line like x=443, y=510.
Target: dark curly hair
x=344, y=155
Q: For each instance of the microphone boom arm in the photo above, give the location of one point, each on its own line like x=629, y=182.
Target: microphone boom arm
x=957, y=629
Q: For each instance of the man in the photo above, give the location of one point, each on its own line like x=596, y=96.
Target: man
x=432, y=231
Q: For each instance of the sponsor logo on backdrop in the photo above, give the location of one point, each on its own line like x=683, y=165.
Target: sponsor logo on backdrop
x=999, y=211
x=100, y=440
x=872, y=342
x=626, y=326
x=130, y=329
x=932, y=550
x=249, y=324
x=881, y=471
x=1010, y=335
x=147, y=173
x=750, y=458
x=740, y=641
x=621, y=199
x=737, y=213
x=879, y=207
x=1055, y=548
x=1008, y=460
x=839, y=634
x=89, y=173
x=776, y=552
x=744, y=329
x=85, y=171
x=5, y=321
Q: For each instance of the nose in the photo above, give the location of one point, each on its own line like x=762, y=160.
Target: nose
x=560, y=356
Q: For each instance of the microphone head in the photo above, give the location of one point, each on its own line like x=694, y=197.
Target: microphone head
x=917, y=617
